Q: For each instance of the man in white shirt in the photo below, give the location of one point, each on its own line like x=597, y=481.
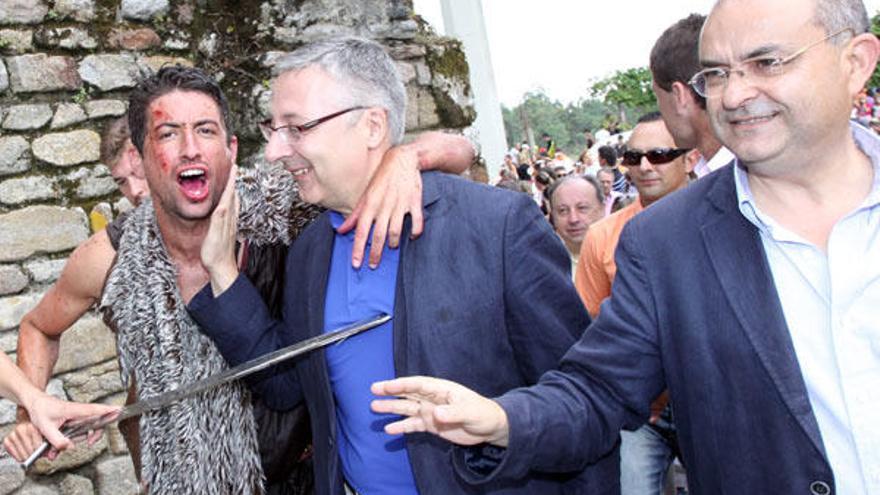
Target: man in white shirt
x=674, y=60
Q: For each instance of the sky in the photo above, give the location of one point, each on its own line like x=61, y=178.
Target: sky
x=534, y=44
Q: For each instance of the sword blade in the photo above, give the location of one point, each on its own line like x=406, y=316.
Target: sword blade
x=247, y=368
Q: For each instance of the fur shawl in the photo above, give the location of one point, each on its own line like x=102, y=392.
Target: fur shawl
x=206, y=444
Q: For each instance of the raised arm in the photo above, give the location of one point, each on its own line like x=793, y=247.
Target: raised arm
x=396, y=190
x=77, y=289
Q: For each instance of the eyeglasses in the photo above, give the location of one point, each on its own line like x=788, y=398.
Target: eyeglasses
x=291, y=133
x=710, y=83
x=657, y=156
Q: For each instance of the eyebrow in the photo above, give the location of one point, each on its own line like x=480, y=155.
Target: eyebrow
x=177, y=125
x=757, y=52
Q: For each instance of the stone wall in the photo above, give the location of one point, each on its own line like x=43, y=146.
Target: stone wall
x=65, y=69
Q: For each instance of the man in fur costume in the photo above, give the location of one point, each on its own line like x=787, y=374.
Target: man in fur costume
x=143, y=273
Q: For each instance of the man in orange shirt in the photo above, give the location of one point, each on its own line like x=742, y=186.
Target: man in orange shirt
x=657, y=168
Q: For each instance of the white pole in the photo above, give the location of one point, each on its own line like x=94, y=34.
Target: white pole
x=463, y=19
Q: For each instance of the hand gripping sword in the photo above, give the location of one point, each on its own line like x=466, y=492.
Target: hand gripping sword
x=159, y=401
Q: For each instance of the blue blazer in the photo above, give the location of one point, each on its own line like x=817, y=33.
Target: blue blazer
x=484, y=298
x=693, y=308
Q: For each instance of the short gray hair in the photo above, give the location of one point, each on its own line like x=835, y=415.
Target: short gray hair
x=837, y=15
x=363, y=67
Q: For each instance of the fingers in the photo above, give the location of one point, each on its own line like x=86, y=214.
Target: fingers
x=22, y=441
x=351, y=220
x=380, y=229
x=407, y=425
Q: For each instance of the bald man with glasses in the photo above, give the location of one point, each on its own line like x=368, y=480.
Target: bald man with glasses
x=773, y=365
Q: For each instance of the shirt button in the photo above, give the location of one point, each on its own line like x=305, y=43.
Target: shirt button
x=819, y=488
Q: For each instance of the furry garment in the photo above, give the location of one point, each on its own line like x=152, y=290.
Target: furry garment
x=206, y=444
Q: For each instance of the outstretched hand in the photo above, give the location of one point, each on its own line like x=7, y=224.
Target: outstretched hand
x=218, y=248
x=394, y=191
x=47, y=415
x=446, y=409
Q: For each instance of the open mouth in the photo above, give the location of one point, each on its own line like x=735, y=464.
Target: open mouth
x=193, y=183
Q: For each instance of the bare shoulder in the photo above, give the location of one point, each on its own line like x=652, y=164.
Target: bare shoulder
x=87, y=267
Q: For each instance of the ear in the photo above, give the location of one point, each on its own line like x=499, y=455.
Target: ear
x=683, y=97
x=376, y=121
x=861, y=57
x=135, y=161
x=691, y=159
x=232, y=149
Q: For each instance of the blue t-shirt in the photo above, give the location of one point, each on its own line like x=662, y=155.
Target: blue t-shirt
x=372, y=460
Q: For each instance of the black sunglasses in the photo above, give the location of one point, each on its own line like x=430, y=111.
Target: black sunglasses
x=656, y=156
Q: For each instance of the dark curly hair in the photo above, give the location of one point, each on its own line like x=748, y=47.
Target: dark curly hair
x=171, y=78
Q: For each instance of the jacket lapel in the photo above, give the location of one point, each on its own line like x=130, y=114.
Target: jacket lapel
x=406, y=272
x=737, y=254
x=320, y=254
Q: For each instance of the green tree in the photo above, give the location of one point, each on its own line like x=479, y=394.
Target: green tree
x=628, y=89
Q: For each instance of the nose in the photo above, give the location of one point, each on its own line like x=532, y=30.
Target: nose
x=737, y=90
x=190, y=149
x=645, y=165
x=276, y=148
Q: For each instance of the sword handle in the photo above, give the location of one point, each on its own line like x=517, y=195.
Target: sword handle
x=67, y=431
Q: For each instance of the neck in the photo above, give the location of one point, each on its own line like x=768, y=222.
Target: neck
x=361, y=183
x=811, y=194
x=574, y=248
x=182, y=238
x=707, y=144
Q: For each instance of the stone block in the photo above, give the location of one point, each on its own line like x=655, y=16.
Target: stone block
x=67, y=114
x=27, y=117
x=115, y=440
x=68, y=148
x=7, y=412
x=13, y=155
x=79, y=10
x=406, y=71
x=34, y=488
x=41, y=229
x=98, y=183
x=134, y=39
x=8, y=342
x=45, y=271
x=143, y=10
x=76, y=485
x=86, y=343
x=12, y=280
x=93, y=382
x=116, y=477
x=153, y=64
x=80, y=455
x=22, y=11
x=26, y=189
x=70, y=38
x=105, y=108
x=41, y=73
x=401, y=52
x=16, y=41
x=109, y=71
x=11, y=476
x=4, y=77
x=13, y=308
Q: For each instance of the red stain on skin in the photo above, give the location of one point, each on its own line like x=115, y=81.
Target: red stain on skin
x=159, y=116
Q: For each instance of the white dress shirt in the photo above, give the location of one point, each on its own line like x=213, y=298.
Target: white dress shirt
x=831, y=305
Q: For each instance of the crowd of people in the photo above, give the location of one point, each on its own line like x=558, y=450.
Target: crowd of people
x=705, y=291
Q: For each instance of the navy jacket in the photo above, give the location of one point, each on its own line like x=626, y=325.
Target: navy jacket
x=484, y=298
x=694, y=308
